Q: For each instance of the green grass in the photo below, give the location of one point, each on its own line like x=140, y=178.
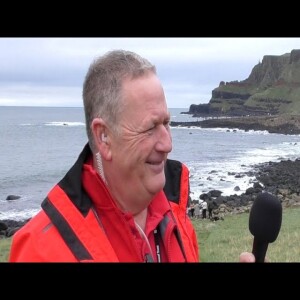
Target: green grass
x=224, y=241
x=275, y=93
x=238, y=88
x=4, y=249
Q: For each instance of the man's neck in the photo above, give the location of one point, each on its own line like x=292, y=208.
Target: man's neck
x=141, y=218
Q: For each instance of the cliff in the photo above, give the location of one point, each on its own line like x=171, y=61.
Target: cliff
x=272, y=88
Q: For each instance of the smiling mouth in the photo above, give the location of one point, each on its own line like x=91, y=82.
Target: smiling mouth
x=156, y=167
x=154, y=163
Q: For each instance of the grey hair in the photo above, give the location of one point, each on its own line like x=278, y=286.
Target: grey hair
x=102, y=88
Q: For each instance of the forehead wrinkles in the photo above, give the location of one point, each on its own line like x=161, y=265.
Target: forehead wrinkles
x=143, y=103
x=135, y=127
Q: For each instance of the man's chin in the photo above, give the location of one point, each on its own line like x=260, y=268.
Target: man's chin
x=157, y=185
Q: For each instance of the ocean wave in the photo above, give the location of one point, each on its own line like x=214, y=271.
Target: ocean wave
x=18, y=215
x=64, y=124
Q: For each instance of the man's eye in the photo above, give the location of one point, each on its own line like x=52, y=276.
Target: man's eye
x=167, y=123
x=150, y=130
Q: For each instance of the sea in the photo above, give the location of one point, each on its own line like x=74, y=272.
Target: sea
x=38, y=145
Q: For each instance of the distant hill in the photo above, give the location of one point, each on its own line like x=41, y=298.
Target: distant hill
x=272, y=88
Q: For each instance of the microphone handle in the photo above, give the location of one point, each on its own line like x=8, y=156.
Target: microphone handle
x=259, y=250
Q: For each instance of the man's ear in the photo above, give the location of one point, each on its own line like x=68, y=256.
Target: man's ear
x=104, y=137
x=101, y=139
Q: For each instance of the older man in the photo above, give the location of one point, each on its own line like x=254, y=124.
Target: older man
x=123, y=200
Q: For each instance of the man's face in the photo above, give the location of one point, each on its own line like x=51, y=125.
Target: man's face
x=139, y=153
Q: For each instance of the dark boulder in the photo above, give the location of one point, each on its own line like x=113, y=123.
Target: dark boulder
x=10, y=227
x=13, y=197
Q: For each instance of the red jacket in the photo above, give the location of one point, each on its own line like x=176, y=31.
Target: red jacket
x=68, y=228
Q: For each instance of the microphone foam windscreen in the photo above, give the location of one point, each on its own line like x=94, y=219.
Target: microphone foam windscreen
x=265, y=217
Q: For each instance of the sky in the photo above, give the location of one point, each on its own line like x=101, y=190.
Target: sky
x=51, y=71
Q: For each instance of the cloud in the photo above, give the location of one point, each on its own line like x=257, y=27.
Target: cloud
x=50, y=71
x=28, y=95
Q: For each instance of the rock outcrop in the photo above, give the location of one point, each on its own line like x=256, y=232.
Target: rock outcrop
x=9, y=227
x=272, y=88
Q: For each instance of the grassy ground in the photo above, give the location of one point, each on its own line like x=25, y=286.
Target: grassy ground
x=4, y=249
x=224, y=241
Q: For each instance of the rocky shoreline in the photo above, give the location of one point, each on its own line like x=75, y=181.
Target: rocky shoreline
x=282, y=124
x=9, y=227
x=282, y=179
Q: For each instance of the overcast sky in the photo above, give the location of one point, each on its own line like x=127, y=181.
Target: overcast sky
x=50, y=71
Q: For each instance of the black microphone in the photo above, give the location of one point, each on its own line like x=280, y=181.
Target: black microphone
x=264, y=223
